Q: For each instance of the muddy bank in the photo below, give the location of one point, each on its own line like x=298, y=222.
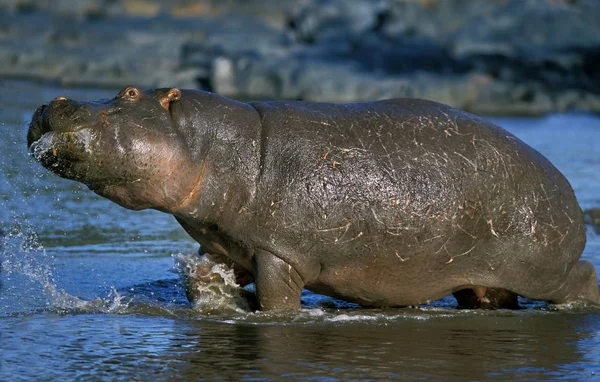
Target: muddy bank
x=489, y=57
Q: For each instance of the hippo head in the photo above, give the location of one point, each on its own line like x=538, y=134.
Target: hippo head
x=127, y=149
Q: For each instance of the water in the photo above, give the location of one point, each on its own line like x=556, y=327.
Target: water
x=89, y=291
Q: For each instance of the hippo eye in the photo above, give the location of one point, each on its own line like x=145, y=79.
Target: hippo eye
x=133, y=93
x=130, y=93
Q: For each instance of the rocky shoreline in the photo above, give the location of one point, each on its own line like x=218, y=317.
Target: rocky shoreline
x=511, y=57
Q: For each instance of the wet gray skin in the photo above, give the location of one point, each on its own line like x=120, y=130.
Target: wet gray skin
x=389, y=203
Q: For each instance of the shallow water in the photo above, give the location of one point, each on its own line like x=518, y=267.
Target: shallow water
x=89, y=290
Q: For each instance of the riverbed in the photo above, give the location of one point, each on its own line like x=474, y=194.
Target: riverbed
x=90, y=290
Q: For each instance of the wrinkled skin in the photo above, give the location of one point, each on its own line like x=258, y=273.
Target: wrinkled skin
x=389, y=203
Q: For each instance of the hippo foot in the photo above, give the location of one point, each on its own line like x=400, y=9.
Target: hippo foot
x=486, y=298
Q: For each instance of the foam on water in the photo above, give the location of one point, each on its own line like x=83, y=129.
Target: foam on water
x=221, y=294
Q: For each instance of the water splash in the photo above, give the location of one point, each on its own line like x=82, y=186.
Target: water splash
x=40, y=147
x=210, y=286
x=29, y=285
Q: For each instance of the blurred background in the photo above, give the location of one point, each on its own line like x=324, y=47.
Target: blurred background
x=91, y=291
x=496, y=57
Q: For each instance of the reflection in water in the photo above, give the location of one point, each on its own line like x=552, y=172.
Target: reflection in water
x=464, y=347
x=507, y=345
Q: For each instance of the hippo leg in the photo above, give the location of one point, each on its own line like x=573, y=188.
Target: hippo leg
x=278, y=285
x=580, y=284
x=486, y=298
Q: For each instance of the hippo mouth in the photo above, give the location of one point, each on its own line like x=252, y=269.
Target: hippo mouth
x=65, y=153
x=59, y=141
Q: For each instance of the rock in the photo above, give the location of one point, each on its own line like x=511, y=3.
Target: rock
x=342, y=81
x=272, y=12
x=334, y=20
x=531, y=28
x=212, y=54
x=534, y=67
x=548, y=48
x=106, y=53
x=490, y=57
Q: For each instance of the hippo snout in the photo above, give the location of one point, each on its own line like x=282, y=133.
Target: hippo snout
x=61, y=115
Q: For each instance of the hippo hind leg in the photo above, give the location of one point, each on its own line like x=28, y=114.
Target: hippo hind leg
x=486, y=298
x=580, y=284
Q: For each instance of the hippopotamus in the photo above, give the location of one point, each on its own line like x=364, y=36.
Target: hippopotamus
x=385, y=204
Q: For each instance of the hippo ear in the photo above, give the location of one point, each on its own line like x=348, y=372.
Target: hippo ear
x=171, y=95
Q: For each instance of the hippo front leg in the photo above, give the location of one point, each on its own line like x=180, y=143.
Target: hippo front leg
x=278, y=285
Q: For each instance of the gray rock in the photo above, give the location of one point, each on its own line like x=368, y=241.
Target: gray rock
x=334, y=20
x=489, y=57
x=106, y=53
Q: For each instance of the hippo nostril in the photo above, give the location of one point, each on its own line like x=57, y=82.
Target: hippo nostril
x=61, y=98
